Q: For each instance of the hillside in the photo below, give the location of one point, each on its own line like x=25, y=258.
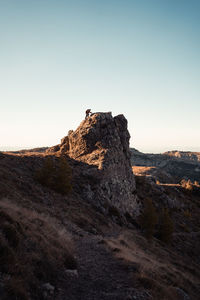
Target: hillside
x=71, y=222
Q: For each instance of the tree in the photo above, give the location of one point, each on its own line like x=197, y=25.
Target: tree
x=63, y=177
x=56, y=174
x=149, y=219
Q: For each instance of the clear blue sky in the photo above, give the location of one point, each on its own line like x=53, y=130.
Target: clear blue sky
x=136, y=57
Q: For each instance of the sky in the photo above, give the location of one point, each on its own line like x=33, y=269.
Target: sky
x=140, y=58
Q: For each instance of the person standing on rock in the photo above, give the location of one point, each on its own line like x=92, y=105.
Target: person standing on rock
x=87, y=113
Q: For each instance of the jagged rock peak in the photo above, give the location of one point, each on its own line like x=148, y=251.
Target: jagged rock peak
x=98, y=135
x=102, y=143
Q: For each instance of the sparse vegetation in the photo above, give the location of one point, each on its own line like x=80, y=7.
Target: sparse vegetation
x=187, y=184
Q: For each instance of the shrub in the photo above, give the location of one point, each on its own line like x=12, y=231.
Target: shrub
x=187, y=184
x=187, y=213
x=183, y=183
x=46, y=173
x=166, y=227
x=62, y=182
x=11, y=235
x=55, y=174
x=149, y=219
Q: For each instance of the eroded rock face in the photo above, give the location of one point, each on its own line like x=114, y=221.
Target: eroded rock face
x=101, y=142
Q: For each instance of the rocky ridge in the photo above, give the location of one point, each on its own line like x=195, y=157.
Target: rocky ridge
x=184, y=155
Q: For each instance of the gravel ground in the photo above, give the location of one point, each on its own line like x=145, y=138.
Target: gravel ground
x=100, y=275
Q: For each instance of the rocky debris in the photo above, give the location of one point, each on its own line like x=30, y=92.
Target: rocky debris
x=71, y=273
x=182, y=294
x=101, y=144
x=48, y=290
x=101, y=276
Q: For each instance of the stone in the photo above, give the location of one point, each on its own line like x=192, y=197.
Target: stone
x=48, y=286
x=71, y=273
x=48, y=290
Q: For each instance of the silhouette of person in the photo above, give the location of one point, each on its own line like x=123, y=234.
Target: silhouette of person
x=87, y=113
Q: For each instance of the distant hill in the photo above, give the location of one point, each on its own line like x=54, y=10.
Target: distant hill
x=185, y=155
x=169, y=167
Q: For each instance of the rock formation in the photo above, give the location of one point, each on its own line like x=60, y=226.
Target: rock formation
x=101, y=143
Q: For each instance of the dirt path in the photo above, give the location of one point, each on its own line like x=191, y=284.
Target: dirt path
x=100, y=275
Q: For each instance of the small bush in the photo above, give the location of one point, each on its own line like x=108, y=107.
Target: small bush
x=113, y=211
x=11, y=235
x=62, y=183
x=187, y=184
x=183, y=183
x=56, y=175
x=166, y=227
x=187, y=214
x=46, y=173
x=149, y=219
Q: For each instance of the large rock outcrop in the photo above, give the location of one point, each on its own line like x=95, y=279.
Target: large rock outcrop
x=101, y=143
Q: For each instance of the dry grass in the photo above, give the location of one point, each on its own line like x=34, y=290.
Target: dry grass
x=155, y=268
x=140, y=170
x=34, y=250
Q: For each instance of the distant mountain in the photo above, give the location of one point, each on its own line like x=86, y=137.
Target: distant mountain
x=169, y=167
x=185, y=155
